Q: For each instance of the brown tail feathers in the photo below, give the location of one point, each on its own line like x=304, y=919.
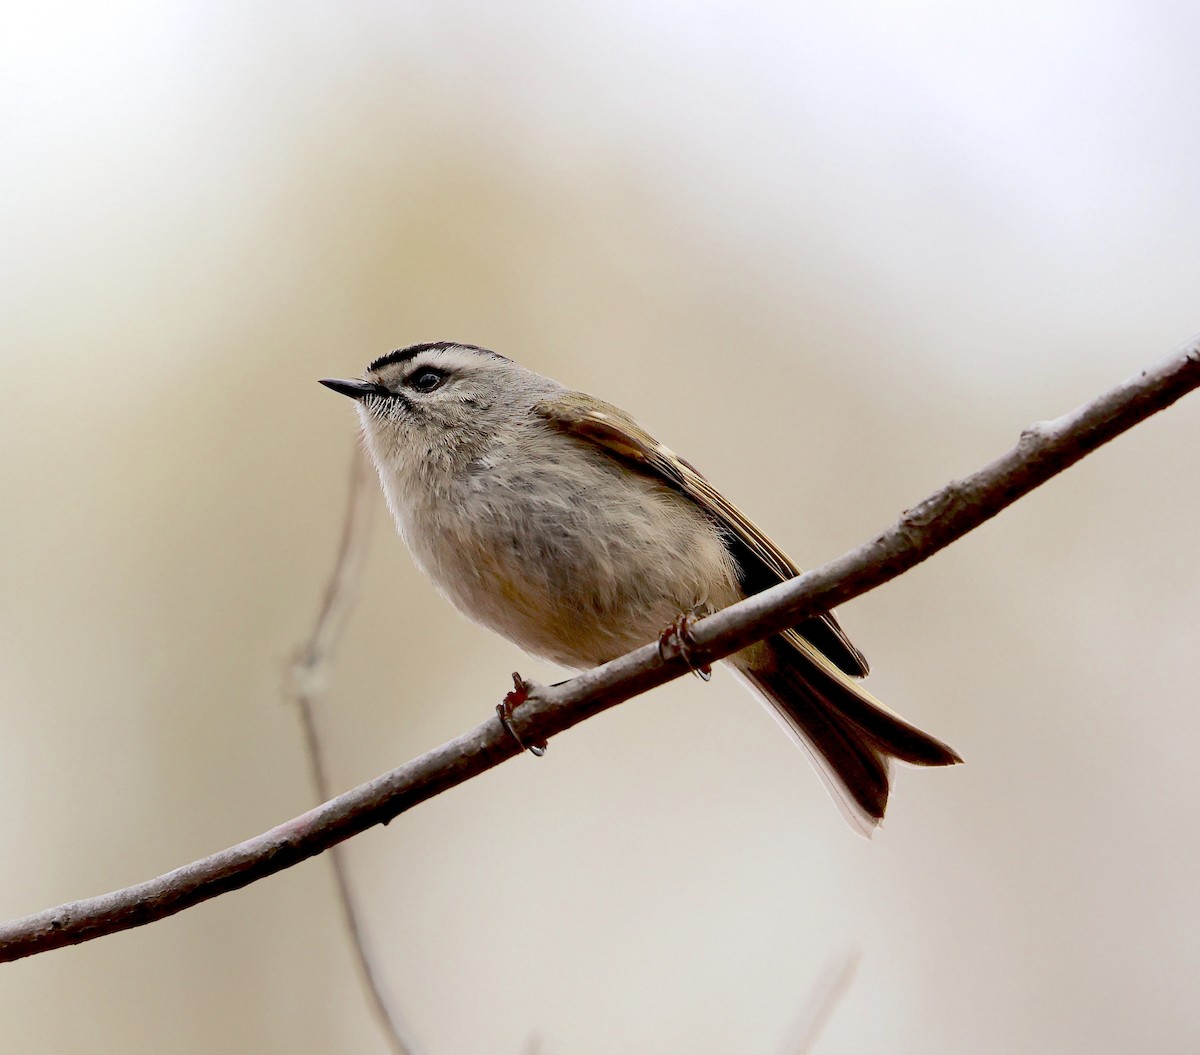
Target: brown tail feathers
x=851, y=735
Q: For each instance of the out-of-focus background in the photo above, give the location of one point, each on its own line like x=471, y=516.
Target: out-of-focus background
x=836, y=256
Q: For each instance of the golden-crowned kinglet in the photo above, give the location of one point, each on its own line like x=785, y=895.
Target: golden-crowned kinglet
x=557, y=521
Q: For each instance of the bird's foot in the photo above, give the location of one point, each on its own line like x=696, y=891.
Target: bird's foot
x=677, y=640
x=521, y=691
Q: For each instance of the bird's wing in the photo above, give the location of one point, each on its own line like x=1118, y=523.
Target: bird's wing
x=761, y=563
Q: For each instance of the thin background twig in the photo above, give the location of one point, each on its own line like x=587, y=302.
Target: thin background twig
x=1043, y=451
x=309, y=675
x=829, y=991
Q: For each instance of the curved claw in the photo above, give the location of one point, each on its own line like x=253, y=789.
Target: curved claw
x=504, y=711
x=679, y=637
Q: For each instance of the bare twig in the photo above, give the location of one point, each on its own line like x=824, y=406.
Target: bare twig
x=830, y=990
x=308, y=677
x=312, y=658
x=1044, y=450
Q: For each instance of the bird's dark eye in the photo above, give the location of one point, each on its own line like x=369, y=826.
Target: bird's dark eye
x=426, y=380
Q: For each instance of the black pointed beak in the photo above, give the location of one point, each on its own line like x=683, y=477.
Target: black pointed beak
x=353, y=389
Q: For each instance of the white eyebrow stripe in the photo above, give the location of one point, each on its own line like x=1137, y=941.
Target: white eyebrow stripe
x=405, y=355
x=451, y=360
x=442, y=358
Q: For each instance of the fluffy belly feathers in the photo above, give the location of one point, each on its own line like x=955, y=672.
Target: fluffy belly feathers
x=564, y=571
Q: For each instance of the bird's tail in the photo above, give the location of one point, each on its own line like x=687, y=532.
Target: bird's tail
x=850, y=735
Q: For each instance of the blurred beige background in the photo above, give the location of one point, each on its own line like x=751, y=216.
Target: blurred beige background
x=836, y=256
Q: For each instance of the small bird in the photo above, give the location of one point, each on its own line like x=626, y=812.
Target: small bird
x=557, y=521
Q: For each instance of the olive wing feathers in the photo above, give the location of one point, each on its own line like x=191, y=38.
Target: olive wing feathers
x=761, y=563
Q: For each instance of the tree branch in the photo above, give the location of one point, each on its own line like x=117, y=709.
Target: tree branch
x=1044, y=450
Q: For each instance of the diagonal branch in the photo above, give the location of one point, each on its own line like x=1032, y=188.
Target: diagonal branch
x=1044, y=450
